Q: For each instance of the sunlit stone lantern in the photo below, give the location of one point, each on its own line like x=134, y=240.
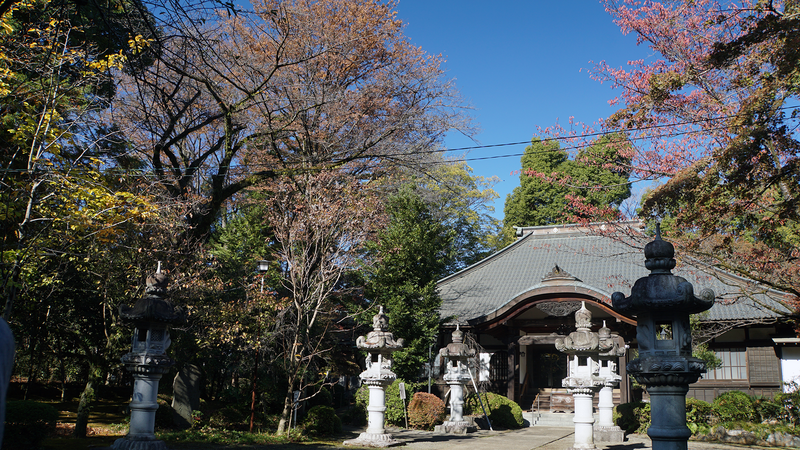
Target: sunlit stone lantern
x=457, y=354
x=582, y=347
x=612, y=347
x=662, y=303
x=152, y=316
x=380, y=344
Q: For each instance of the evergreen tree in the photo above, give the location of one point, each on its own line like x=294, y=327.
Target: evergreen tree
x=413, y=252
x=555, y=189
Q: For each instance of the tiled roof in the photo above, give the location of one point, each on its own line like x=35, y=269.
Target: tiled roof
x=604, y=260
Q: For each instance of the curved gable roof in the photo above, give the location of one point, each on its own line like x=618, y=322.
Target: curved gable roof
x=599, y=264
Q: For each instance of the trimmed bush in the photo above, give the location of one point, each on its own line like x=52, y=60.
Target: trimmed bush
x=698, y=413
x=424, y=411
x=321, y=420
x=28, y=423
x=634, y=417
x=394, y=405
x=503, y=413
x=733, y=406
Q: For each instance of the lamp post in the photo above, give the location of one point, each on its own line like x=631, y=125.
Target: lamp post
x=261, y=267
x=662, y=303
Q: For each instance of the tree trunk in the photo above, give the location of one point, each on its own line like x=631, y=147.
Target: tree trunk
x=286, y=414
x=85, y=405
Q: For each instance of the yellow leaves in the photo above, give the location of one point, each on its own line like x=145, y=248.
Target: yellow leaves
x=112, y=61
x=139, y=43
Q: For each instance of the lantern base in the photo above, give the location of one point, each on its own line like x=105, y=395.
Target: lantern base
x=138, y=444
x=374, y=440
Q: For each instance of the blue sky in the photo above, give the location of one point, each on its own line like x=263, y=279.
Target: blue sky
x=520, y=64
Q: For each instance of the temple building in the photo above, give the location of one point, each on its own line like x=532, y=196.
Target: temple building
x=518, y=301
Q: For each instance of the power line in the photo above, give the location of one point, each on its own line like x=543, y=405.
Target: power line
x=597, y=134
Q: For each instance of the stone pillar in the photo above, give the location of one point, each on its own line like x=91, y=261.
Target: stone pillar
x=612, y=347
x=380, y=344
x=152, y=316
x=662, y=303
x=584, y=418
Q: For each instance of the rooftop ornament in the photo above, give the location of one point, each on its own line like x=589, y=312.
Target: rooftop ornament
x=662, y=303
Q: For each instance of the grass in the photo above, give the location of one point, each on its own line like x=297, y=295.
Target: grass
x=108, y=422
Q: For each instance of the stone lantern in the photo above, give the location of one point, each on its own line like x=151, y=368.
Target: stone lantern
x=612, y=347
x=380, y=344
x=457, y=355
x=662, y=303
x=152, y=316
x=582, y=347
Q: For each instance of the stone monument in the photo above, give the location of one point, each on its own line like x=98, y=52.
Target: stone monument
x=152, y=316
x=662, y=303
x=380, y=344
x=612, y=347
x=583, y=379
x=457, y=355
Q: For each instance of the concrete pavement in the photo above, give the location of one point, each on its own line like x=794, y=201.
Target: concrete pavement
x=538, y=438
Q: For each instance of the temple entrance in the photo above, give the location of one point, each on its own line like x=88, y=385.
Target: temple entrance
x=498, y=372
x=548, y=368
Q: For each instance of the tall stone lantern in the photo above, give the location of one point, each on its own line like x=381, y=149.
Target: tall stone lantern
x=662, y=303
x=611, y=347
x=457, y=355
x=152, y=316
x=380, y=344
x=582, y=346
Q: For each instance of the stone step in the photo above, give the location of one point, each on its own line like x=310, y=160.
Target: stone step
x=550, y=419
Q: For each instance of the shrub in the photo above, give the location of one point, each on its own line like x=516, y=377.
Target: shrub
x=697, y=415
x=28, y=423
x=765, y=409
x=394, y=405
x=323, y=397
x=733, y=406
x=164, y=414
x=503, y=413
x=229, y=418
x=634, y=417
x=321, y=420
x=355, y=416
x=424, y=411
x=790, y=405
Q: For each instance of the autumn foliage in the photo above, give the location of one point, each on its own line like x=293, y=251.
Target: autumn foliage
x=712, y=120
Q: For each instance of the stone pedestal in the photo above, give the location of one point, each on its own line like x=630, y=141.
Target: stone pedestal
x=605, y=430
x=668, y=417
x=584, y=419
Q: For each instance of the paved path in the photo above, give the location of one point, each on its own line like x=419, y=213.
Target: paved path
x=539, y=438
